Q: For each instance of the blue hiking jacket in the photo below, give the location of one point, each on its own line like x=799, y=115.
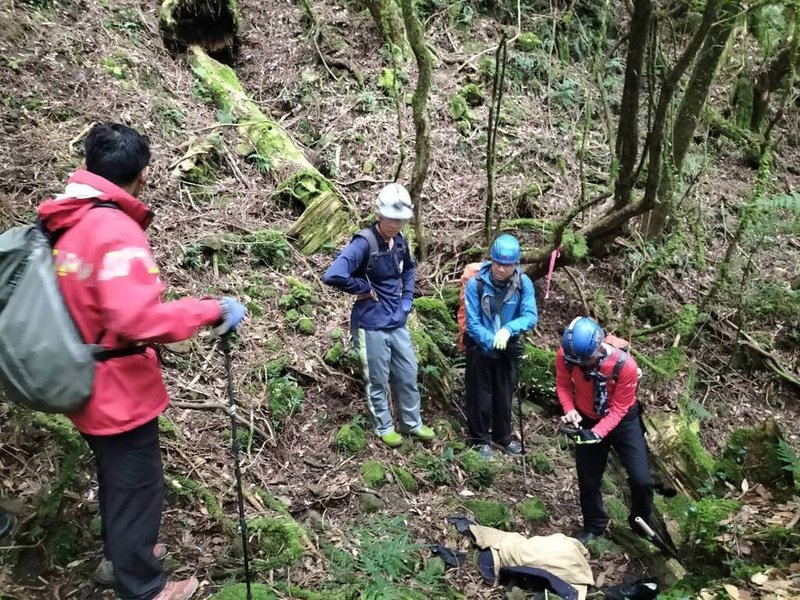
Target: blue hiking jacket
x=392, y=276
x=515, y=311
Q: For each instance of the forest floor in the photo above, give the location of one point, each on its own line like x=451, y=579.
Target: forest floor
x=65, y=65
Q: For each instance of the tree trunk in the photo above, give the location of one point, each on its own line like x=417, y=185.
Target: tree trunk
x=769, y=80
x=327, y=215
x=627, y=149
x=689, y=112
x=422, y=125
x=210, y=24
x=389, y=20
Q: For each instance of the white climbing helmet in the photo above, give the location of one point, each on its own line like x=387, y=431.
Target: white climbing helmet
x=394, y=202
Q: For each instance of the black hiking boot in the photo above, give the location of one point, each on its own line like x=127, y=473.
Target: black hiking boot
x=584, y=537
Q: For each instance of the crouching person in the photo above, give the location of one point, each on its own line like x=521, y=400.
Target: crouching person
x=111, y=287
x=377, y=268
x=500, y=305
x=596, y=384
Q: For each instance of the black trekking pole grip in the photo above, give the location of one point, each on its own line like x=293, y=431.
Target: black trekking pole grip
x=226, y=350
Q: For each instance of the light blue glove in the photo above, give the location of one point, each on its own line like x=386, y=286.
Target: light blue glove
x=407, y=304
x=233, y=312
x=501, y=338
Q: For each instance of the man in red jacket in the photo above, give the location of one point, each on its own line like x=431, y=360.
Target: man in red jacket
x=111, y=286
x=596, y=385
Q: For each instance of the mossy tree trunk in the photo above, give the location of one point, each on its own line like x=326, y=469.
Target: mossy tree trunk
x=690, y=110
x=422, y=124
x=327, y=215
x=388, y=17
x=628, y=133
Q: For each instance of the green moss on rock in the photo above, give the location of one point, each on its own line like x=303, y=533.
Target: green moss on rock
x=335, y=355
x=603, y=546
x=480, y=472
x=269, y=247
x=305, y=325
x=405, y=479
x=533, y=510
x=753, y=454
x=489, y=513
x=528, y=42
x=473, y=94
x=373, y=473
x=282, y=540
x=540, y=463
x=350, y=439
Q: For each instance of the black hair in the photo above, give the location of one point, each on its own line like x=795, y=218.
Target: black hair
x=116, y=152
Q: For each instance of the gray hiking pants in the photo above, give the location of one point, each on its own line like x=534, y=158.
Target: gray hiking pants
x=388, y=361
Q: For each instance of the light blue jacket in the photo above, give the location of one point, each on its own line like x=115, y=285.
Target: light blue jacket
x=516, y=312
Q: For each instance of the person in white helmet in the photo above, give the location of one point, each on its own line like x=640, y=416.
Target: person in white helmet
x=378, y=269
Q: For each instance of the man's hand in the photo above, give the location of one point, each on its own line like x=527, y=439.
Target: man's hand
x=501, y=338
x=587, y=436
x=408, y=305
x=573, y=417
x=371, y=295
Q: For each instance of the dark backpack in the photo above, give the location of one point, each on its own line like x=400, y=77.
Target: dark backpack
x=369, y=235
x=45, y=364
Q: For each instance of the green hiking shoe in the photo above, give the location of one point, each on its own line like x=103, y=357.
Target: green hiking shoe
x=392, y=439
x=426, y=434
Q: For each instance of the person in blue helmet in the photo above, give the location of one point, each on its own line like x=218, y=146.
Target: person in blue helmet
x=378, y=269
x=596, y=383
x=500, y=305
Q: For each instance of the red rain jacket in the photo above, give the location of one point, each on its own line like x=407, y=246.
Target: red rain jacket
x=112, y=289
x=574, y=391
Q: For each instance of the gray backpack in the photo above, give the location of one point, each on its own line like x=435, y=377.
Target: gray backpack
x=45, y=364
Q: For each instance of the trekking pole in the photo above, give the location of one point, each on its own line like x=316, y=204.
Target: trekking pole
x=521, y=424
x=226, y=350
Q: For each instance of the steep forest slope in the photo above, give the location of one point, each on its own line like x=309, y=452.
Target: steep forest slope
x=712, y=304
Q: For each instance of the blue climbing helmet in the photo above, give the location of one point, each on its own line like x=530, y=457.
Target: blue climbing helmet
x=505, y=250
x=582, y=338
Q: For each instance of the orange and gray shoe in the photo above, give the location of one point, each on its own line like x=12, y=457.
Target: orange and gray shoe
x=104, y=573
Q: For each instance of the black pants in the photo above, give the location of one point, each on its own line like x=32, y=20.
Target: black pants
x=628, y=441
x=490, y=386
x=131, y=480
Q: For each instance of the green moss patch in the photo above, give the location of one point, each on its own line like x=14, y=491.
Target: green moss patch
x=350, y=439
x=238, y=591
x=405, y=479
x=480, y=473
x=282, y=540
x=540, y=463
x=489, y=513
x=533, y=510
x=373, y=473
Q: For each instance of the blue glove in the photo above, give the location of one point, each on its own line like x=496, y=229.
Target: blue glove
x=407, y=304
x=233, y=312
x=587, y=436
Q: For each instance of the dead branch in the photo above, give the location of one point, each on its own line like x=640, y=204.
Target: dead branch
x=226, y=409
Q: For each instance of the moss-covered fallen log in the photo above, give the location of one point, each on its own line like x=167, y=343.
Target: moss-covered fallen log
x=327, y=215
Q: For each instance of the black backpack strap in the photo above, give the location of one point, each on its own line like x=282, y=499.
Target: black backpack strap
x=369, y=235
x=55, y=235
x=104, y=355
x=621, y=358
